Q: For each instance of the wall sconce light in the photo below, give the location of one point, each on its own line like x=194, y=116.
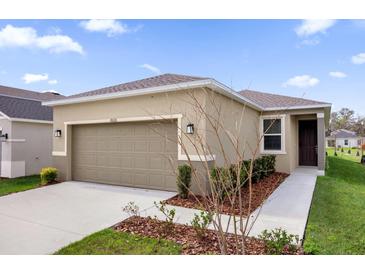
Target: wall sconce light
x=3, y=137
x=57, y=133
x=190, y=129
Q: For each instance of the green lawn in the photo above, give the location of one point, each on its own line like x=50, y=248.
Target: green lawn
x=111, y=242
x=345, y=154
x=336, y=223
x=8, y=186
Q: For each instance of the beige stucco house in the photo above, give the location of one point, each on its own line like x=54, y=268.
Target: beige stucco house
x=137, y=133
x=26, y=131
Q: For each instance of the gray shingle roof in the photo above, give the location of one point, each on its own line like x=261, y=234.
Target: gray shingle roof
x=268, y=100
x=22, y=93
x=343, y=133
x=25, y=108
x=156, y=81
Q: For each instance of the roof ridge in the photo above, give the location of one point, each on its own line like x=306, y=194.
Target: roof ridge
x=280, y=95
x=156, y=77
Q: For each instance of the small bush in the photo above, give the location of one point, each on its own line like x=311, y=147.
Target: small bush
x=349, y=151
x=242, y=176
x=262, y=167
x=184, y=181
x=131, y=209
x=48, y=175
x=167, y=226
x=223, y=181
x=201, y=223
x=278, y=241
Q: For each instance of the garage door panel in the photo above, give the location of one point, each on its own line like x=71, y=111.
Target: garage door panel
x=141, y=146
x=130, y=154
x=157, y=163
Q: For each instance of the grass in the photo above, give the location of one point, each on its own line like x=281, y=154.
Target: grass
x=111, y=242
x=345, y=154
x=336, y=223
x=8, y=186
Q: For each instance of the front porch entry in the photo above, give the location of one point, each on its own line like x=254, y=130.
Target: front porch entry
x=308, y=142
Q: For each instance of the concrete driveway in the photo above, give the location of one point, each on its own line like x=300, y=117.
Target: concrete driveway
x=41, y=221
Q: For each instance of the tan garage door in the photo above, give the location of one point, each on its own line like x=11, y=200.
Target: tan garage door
x=138, y=154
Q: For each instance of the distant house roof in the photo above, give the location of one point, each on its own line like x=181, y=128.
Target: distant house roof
x=26, y=104
x=28, y=94
x=344, y=133
x=156, y=81
x=269, y=100
x=21, y=108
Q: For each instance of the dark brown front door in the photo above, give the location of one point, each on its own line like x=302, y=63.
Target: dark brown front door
x=308, y=143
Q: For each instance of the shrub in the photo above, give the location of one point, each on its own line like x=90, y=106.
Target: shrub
x=131, y=209
x=271, y=163
x=243, y=174
x=48, y=175
x=223, y=181
x=201, y=223
x=349, y=151
x=167, y=225
x=184, y=181
x=258, y=169
x=278, y=241
x=263, y=167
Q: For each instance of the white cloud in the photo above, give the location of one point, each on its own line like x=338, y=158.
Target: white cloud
x=27, y=37
x=58, y=44
x=109, y=26
x=358, y=59
x=53, y=82
x=32, y=78
x=151, y=68
x=337, y=74
x=310, y=27
x=301, y=81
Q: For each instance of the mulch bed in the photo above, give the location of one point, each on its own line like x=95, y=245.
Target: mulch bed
x=261, y=190
x=186, y=236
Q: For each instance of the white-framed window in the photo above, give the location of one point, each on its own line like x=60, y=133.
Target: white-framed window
x=346, y=142
x=273, y=134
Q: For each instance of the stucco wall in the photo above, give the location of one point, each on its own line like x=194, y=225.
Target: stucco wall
x=36, y=150
x=238, y=129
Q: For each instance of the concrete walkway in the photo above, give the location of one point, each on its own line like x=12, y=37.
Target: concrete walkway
x=43, y=220
x=287, y=207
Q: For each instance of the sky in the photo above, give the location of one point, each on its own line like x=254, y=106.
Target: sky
x=315, y=59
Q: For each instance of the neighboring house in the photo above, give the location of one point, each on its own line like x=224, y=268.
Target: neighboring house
x=128, y=134
x=26, y=131
x=344, y=138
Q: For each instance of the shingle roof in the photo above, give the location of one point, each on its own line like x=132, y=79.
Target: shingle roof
x=25, y=109
x=268, y=100
x=156, y=81
x=343, y=133
x=22, y=93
